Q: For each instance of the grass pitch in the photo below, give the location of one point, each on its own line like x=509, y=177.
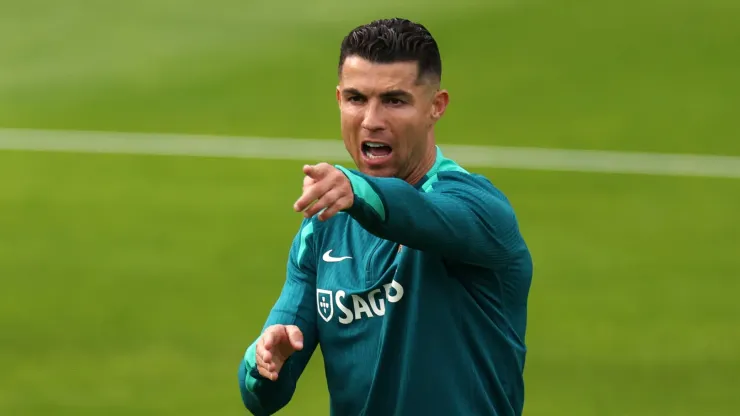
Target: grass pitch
x=132, y=284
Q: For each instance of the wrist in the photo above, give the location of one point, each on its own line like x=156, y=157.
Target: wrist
x=364, y=192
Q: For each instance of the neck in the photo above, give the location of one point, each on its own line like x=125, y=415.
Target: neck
x=426, y=163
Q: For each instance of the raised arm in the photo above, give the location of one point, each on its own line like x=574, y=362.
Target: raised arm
x=295, y=313
x=456, y=215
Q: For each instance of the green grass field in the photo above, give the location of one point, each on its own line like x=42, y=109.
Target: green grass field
x=132, y=284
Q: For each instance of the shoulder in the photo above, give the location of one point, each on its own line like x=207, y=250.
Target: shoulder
x=466, y=179
x=452, y=179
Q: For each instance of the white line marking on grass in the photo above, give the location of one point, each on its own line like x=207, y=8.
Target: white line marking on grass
x=312, y=151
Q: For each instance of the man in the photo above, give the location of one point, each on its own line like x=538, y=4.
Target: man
x=410, y=272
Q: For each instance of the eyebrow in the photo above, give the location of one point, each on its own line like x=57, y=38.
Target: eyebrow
x=396, y=94
x=386, y=94
x=352, y=91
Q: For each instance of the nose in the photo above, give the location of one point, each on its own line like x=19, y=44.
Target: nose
x=373, y=118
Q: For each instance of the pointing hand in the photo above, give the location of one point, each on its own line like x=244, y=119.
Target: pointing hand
x=324, y=188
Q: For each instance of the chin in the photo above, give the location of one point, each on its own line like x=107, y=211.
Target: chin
x=379, y=171
x=374, y=169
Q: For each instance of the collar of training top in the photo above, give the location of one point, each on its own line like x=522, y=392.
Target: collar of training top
x=441, y=164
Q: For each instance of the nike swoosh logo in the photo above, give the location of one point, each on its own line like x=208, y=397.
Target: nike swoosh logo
x=329, y=259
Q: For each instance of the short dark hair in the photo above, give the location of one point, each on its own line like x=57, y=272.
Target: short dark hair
x=394, y=40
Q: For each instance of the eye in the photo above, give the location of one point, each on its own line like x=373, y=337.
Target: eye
x=394, y=101
x=356, y=99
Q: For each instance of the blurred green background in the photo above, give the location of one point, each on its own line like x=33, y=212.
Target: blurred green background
x=131, y=285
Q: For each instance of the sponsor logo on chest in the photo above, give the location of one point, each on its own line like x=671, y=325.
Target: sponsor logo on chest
x=357, y=306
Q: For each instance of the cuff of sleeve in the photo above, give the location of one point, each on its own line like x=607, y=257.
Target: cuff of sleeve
x=364, y=191
x=252, y=376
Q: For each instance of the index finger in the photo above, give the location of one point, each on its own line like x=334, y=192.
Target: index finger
x=316, y=171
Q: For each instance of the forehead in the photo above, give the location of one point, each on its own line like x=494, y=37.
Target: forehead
x=371, y=77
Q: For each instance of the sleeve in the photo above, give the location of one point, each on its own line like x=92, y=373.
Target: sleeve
x=296, y=305
x=454, y=216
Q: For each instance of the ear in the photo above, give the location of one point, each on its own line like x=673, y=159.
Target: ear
x=339, y=96
x=439, y=104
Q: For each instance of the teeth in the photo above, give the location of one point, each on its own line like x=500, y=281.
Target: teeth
x=367, y=146
x=372, y=156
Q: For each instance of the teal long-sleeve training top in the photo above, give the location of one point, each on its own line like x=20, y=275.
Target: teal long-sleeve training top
x=417, y=295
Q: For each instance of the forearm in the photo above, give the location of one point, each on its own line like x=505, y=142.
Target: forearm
x=259, y=401
x=261, y=395
x=296, y=306
x=459, y=224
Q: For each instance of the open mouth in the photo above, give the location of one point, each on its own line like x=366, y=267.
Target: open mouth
x=375, y=150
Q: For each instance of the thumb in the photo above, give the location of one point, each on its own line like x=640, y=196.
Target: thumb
x=296, y=337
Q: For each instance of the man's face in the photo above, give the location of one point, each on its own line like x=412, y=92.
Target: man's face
x=387, y=114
